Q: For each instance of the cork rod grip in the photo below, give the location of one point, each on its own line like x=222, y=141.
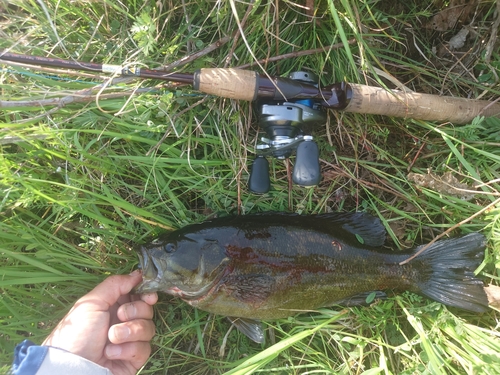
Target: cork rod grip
x=228, y=83
x=378, y=101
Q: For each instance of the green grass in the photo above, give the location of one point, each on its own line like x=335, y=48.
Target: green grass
x=82, y=183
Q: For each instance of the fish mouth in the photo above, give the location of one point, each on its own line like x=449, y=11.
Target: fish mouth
x=154, y=270
x=151, y=273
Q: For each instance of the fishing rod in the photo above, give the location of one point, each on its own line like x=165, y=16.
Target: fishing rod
x=249, y=85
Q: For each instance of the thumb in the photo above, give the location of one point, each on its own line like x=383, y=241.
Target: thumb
x=111, y=289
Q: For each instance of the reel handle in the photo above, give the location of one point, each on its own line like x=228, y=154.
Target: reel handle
x=306, y=171
x=259, y=181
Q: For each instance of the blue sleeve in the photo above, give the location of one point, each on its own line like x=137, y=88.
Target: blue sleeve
x=31, y=359
x=28, y=358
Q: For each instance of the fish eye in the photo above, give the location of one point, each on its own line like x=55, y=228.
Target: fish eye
x=169, y=248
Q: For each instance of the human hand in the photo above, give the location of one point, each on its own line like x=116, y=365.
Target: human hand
x=108, y=326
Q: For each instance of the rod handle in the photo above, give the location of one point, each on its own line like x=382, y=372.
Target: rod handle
x=228, y=83
x=379, y=101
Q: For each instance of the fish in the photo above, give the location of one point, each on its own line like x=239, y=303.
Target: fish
x=273, y=265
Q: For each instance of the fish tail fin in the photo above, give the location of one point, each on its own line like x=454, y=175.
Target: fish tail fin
x=451, y=278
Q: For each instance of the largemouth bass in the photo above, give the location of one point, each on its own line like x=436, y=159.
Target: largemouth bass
x=273, y=265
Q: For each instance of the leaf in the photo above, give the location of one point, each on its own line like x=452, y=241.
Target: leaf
x=144, y=31
x=359, y=238
x=457, y=12
x=371, y=297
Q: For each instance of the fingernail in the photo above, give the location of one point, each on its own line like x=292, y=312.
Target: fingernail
x=113, y=351
x=134, y=273
x=130, y=311
x=122, y=332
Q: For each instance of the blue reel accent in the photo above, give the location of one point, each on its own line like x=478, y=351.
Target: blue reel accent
x=307, y=102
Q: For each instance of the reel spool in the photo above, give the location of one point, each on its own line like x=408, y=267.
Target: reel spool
x=283, y=122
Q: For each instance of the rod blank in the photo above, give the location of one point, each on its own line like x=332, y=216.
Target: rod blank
x=248, y=85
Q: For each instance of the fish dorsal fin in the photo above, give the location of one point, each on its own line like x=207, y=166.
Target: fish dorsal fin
x=367, y=229
x=252, y=328
x=359, y=227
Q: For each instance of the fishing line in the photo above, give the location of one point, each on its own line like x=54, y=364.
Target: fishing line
x=45, y=76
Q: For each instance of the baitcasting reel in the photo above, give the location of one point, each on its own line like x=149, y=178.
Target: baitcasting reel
x=283, y=121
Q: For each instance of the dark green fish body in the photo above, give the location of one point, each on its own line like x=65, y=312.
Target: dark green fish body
x=269, y=266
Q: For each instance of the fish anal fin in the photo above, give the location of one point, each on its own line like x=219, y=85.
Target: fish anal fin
x=251, y=328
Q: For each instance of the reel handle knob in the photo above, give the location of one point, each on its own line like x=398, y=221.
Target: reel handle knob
x=259, y=182
x=306, y=171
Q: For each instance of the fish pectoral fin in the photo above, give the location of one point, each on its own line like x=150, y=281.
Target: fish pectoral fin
x=365, y=298
x=251, y=328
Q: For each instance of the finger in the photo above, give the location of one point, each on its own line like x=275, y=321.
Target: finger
x=125, y=298
x=149, y=298
x=137, y=353
x=135, y=310
x=111, y=289
x=135, y=330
